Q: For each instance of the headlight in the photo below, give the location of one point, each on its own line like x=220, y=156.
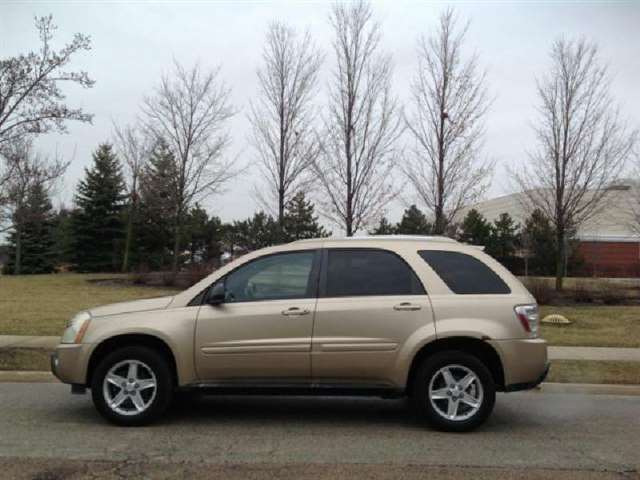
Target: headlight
x=76, y=328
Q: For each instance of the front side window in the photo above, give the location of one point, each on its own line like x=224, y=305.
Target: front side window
x=464, y=274
x=275, y=277
x=369, y=272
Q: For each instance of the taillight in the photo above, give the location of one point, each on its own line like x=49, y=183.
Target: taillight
x=528, y=316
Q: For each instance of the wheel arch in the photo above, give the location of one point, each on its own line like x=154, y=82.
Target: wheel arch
x=131, y=340
x=486, y=353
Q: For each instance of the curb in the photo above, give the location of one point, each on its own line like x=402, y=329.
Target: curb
x=589, y=388
x=27, y=376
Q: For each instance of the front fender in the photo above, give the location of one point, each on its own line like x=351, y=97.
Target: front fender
x=175, y=327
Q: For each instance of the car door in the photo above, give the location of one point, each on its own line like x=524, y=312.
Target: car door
x=370, y=302
x=262, y=331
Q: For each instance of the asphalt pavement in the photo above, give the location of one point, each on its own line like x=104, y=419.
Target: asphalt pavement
x=561, y=434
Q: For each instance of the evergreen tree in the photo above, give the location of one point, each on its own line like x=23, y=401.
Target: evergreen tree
x=538, y=239
x=257, y=232
x=203, y=236
x=98, y=226
x=475, y=229
x=384, y=228
x=414, y=222
x=504, y=237
x=63, y=236
x=154, y=223
x=299, y=221
x=33, y=251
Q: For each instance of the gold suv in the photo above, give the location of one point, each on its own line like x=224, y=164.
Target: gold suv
x=427, y=317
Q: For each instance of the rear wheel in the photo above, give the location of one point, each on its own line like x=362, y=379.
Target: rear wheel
x=453, y=391
x=132, y=386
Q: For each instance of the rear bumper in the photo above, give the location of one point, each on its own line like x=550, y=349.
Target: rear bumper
x=515, y=387
x=524, y=362
x=69, y=363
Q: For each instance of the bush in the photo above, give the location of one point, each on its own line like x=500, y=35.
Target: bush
x=194, y=273
x=581, y=294
x=542, y=290
x=611, y=294
x=168, y=279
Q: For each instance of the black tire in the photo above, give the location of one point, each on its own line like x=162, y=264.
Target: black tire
x=158, y=400
x=421, y=394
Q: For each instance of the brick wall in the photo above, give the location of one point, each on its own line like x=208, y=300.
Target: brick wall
x=611, y=259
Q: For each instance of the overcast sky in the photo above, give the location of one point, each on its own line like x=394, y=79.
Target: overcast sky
x=135, y=42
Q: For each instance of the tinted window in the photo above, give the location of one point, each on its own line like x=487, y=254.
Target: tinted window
x=369, y=272
x=463, y=273
x=275, y=277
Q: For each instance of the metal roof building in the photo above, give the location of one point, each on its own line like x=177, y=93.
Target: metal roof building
x=609, y=240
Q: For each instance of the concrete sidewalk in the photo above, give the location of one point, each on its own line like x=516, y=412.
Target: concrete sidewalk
x=594, y=353
x=27, y=341
x=555, y=353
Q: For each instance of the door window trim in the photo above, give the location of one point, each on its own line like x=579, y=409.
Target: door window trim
x=417, y=286
x=312, y=288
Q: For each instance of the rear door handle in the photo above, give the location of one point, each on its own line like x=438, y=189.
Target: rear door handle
x=407, y=306
x=295, y=311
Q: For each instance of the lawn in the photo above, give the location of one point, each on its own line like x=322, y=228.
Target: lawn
x=596, y=326
x=42, y=304
x=590, y=371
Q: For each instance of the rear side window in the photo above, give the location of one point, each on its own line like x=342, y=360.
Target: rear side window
x=359, y=272
x=463, y=273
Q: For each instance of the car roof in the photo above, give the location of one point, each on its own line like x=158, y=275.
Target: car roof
x=377, y=238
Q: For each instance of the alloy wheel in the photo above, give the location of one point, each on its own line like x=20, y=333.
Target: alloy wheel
x=456, y=392
x=129, y=387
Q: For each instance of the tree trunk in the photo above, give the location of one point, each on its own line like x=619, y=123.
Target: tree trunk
x=281, y=214
x=560, y=253
x=18, y=265
x=127, y=241
x=176, y=243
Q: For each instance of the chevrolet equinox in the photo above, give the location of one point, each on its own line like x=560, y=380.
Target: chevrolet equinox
x=425, y=317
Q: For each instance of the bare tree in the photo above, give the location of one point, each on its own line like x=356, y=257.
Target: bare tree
x=582, y=142
x=282, y=119
x=134, y=148
x=449, y=103
x=29, y=170
x=31, y=101
x=358, y=145
x=189, y=110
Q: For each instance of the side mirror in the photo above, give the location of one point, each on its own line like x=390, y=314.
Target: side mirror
x=217, y=294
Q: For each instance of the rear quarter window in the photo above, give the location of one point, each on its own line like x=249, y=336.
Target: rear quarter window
x=464, y=274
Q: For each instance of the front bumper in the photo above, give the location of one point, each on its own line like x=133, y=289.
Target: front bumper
x=69, y=363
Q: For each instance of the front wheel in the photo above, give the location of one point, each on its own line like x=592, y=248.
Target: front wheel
x=453, y=391
x=132, y=386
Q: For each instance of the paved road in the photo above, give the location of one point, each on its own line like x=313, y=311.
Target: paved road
x=528, y=430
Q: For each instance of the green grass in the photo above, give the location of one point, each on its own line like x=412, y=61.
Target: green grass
x=42, y=304
x=594, y=326
x=591, y=371
x=26, y=359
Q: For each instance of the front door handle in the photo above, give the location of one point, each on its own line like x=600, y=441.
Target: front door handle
x=295, y=311
x=407, y=306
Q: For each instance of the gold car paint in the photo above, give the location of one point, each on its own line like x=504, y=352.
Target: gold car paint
x=345, y=339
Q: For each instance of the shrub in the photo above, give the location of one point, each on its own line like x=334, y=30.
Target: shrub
x=168, y=279
x=141, y=276
x=542, y=290
x=194, y=273
x=611, y=294
x=582, y=294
